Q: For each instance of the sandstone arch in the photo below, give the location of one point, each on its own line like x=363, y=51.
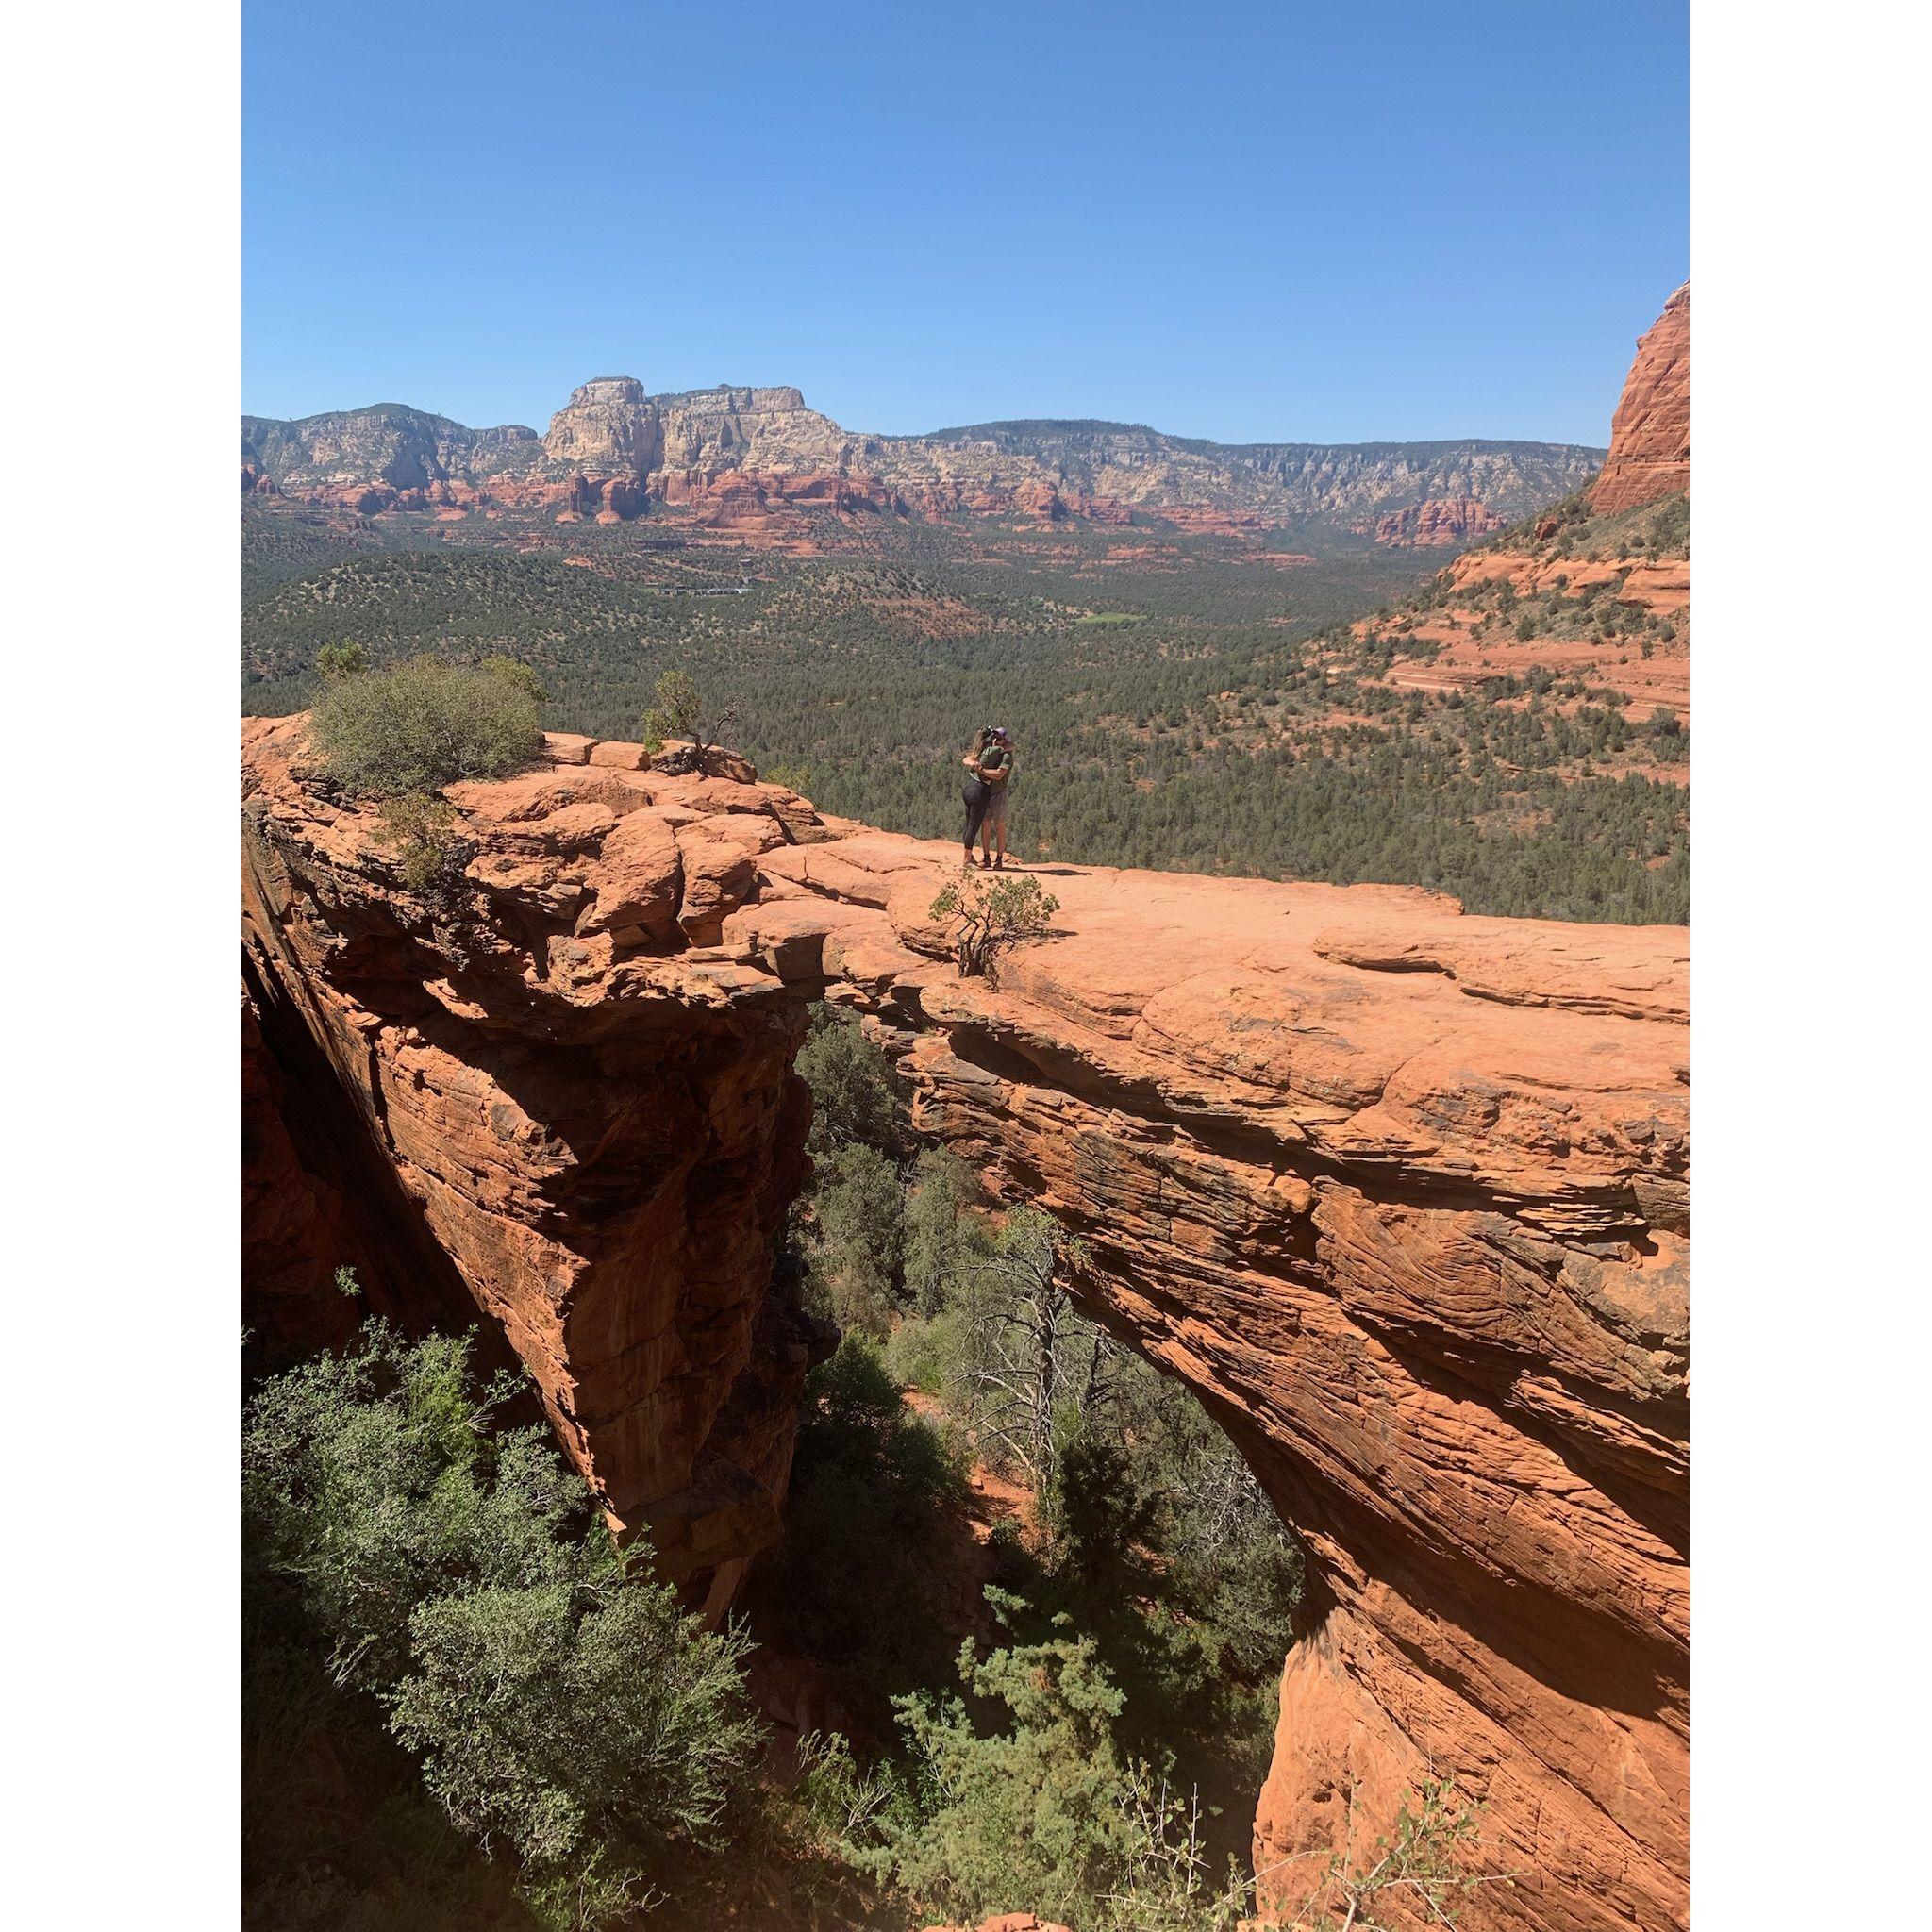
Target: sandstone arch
x=1403, y=1195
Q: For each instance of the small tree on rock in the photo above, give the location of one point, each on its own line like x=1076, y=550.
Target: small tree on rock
x=991, y=916
x=677, y=711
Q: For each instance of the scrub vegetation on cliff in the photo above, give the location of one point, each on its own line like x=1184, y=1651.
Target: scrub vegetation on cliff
x=419, y=1580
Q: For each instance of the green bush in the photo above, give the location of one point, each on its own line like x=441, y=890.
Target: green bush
x=590, y=1730
x=520, y=676
x=856, y=1094
x=675, y=709
x=923, y=1352
x=341, y=660
x=1670, y=528
x=942, y=1234
x=423, y=724
x=421, y=826
x=1048, y=1815
x=857, y=1241
x=376, y=1480
x=454, y=1577
x=989, y=917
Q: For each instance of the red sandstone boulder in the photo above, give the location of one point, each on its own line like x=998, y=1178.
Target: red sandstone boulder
x=718, y=857
x=618, y=752
x=567, y=747
x=638, y=882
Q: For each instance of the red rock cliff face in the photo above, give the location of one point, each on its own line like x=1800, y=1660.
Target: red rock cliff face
x=1437, y=524
x=1649, y=434
x=1402, y=1195
x=583, y=1117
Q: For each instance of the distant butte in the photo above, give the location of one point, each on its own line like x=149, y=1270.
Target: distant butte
x=744, y=459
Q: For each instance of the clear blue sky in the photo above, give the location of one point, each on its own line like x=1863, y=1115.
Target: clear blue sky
x=1310, y=221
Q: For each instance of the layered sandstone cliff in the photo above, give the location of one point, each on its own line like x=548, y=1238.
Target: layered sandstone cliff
x=615, y=447
x=1402, y=1195
x=1649, y=434
x=1437, y=525
x=567, y=1108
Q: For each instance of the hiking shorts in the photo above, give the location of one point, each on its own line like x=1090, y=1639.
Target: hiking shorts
x=996, y=808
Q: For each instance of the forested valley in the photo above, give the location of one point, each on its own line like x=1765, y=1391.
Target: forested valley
x=1177, y=702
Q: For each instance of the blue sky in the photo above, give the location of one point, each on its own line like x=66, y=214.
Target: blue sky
x=1309, y=222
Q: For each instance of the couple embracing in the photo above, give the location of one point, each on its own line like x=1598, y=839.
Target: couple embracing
x=988, y=777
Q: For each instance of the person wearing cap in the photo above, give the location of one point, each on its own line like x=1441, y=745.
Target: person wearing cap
x=990, y=761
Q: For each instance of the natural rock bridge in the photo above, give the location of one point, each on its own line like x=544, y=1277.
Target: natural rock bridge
x=1402, y=1195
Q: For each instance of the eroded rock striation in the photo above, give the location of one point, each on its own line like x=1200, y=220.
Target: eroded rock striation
x=1402, y=1195
x=1649, y=434
x=567, y=1105
x=735, y=457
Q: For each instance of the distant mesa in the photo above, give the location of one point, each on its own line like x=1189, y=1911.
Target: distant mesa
x=746, y=459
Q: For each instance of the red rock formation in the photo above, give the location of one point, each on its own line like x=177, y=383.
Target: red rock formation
x=295, y=1231
x=1204, y=520
x=1649, y=434
x=1100, y=509
x=1402, y=1195
x=1434, y=524
x=1039, y=502
x=592, y=1122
